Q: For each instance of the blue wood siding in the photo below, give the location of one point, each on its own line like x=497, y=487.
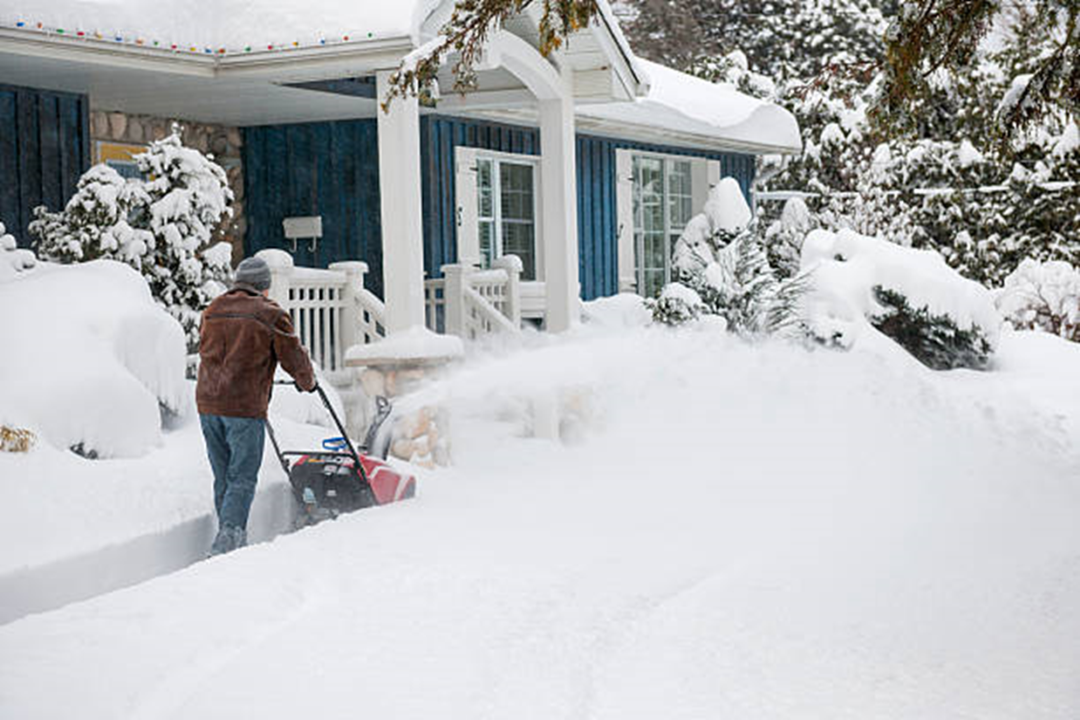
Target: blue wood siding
x=597, y=213
x=329, y=169
x=44, y=149
x=439, y=136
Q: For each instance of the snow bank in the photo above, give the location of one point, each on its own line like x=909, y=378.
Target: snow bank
x=746, y=532
x=13, y=260
x=846, y=267
x=88, y=357
x=413, y=344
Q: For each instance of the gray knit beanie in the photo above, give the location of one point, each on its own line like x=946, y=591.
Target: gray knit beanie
x=253, y=271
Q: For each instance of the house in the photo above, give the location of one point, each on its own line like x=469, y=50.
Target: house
x=585, y=165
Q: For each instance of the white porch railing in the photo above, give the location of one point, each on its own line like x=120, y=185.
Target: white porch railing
x=331, y=309
x=472, y=303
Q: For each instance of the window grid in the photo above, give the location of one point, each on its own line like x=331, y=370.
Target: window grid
x=663, y=205
x=506, y=212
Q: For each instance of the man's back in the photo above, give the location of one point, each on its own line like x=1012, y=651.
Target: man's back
x=242, y=338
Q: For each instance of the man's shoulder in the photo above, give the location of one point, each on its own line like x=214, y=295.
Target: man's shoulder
x=261, y=307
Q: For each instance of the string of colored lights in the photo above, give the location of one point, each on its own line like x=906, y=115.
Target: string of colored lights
x=175, y=47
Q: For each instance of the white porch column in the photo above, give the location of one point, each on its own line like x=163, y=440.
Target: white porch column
x=558, y=182
x=399, y=193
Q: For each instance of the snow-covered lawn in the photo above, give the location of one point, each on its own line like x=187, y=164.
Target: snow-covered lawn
x=731, y=531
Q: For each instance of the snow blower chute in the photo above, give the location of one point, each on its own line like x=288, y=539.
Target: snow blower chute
x=338, y=479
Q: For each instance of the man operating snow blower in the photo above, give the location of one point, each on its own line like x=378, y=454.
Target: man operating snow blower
x=242, y=338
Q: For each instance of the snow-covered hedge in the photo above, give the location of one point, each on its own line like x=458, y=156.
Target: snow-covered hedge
x=862, y=283
x=1043, y=296
x=89, y=359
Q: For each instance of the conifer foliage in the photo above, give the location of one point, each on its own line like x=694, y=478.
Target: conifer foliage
x=161, y=224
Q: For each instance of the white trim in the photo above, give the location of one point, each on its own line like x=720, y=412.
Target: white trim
x=624, y=211
x=468, y=234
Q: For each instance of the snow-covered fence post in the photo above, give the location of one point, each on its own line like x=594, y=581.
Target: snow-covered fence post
x=281, y=269
x=457, y=279
x=349, y=329
x=511, y=264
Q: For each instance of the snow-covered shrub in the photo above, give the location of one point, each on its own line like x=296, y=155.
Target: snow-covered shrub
x=161, y=225
x=934, y=340
x=188, y=196
x=722, y=268
x=863, y=284
x=677, y=304
x=1043, y=296
x=94, y=223
x=94, y=363
x=13, y=260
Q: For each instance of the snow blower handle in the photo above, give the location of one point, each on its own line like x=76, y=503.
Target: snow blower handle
x=337, y=421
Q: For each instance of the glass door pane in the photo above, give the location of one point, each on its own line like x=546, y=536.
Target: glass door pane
x=517, y=214
x=649, y=225
x=485, y=211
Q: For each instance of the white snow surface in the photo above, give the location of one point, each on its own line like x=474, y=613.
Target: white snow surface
x=845, y=268
x=739, y=531
x=413, y=344
x=88, y=358
x=683, y=103
x=231, y=24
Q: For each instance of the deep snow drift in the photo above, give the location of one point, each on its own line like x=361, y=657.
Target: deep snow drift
x=730, y=531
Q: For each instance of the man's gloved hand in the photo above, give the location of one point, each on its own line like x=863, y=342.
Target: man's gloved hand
x=302, y=390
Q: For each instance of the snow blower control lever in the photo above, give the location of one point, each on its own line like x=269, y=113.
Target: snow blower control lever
x=338, y=479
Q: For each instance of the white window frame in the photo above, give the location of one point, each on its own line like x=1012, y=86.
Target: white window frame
x=704, y=175
x=467, y=201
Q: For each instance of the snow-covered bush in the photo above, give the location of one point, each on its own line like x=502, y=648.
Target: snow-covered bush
x=94, y=223
x=95, y=363
x=863, y=284
x=188, y=196
x=13, y=259
x=1043, y=296
x=934, y=340
x=161, y=225
x=721, y=268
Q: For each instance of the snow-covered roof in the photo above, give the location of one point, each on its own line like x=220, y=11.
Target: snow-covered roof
x=224, y=24
x=682, y=104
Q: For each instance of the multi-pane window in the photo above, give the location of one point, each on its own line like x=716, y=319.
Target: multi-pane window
x=663, y=204
x=506, y=211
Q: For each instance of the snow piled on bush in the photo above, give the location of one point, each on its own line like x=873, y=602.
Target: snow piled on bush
x=12, y=259
x=846, y=267
x=1043, y=296
x=89, y=358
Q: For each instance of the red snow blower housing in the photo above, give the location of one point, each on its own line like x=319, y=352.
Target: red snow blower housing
x=338, y=479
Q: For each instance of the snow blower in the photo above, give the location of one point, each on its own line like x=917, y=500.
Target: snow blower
x=338, y=479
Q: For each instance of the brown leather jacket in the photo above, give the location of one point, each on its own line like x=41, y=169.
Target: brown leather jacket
x=242, y=338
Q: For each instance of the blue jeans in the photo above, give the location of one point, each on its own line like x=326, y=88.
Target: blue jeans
x=235, y=447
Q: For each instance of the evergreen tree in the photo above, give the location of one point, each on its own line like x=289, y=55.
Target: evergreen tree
x=94, y=224
x=162, y=226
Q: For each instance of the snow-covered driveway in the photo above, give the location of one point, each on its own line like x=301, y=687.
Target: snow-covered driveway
x=739, y=532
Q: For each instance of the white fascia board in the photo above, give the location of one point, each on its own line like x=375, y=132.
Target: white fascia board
x=651, y=134
x=101, y=52
x=337, y=60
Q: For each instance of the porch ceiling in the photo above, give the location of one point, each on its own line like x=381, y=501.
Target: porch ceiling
x=197, y=94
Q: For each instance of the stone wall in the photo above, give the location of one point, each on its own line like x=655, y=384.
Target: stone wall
x=223, y=142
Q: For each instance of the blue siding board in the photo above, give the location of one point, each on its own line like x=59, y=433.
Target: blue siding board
x=10, y=207
x=44, y=148
x=327, y=169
